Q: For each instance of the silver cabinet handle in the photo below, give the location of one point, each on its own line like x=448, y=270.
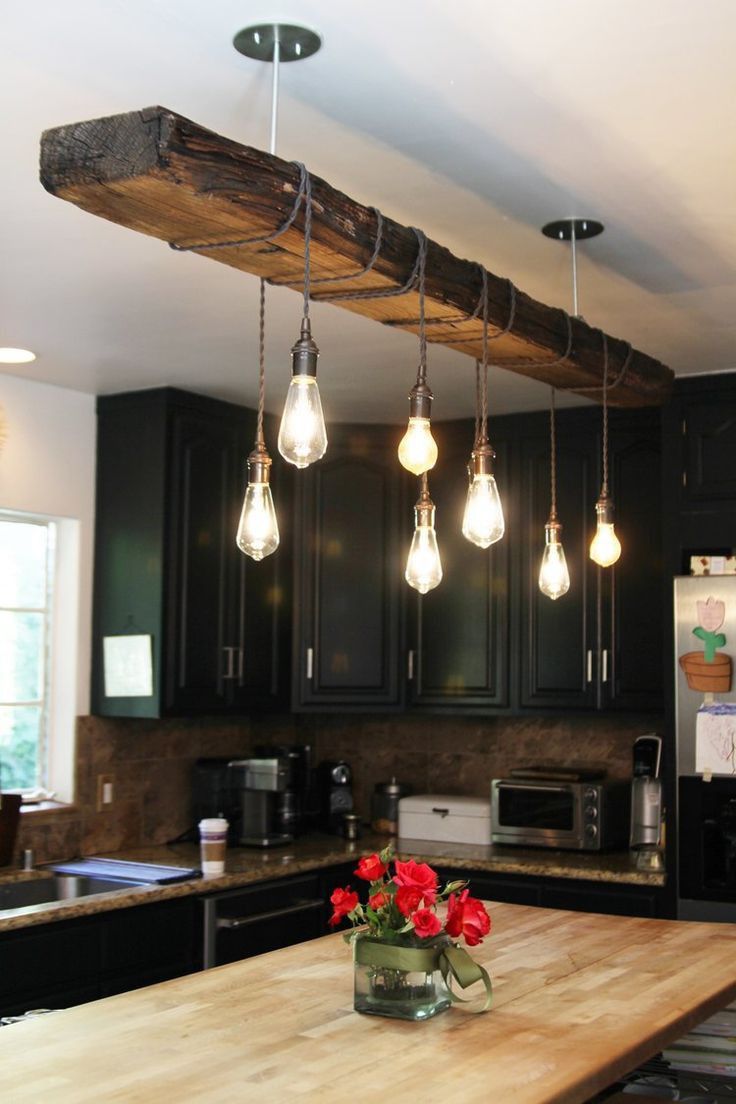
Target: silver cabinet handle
x=235, y=922
x=310, y=662
x=604, y=674
x=590, y=665
x=240, y=666
x=410, y=665
x=229, y=673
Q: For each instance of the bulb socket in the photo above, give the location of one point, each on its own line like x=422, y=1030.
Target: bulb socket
x=424, y=509
x=481, y=459
x=259, y=465
x=304, y=352
x=420, y=400
x=604, y=510
x=552, y=531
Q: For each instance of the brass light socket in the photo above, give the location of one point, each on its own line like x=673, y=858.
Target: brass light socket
x=304, y=352
x=552, y=530
x=604, y=510
x=420, y=400
x=481, y=460
x=424, y=510
x=259, y=465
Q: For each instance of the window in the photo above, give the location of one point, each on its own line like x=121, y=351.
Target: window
x=27, y=559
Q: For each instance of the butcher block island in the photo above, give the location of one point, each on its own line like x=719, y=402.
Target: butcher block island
x=579, y=1000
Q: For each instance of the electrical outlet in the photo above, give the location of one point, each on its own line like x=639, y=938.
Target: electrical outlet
x=105, y=791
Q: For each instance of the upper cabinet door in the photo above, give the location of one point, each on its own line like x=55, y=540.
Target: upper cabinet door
x=201, y=661
x=634, y=586
x=558, y=639
x=349, y=572
x=458, y=632
x=710, y=449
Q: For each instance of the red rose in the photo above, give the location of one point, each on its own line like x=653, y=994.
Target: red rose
x=408, y=898
x=426, y=923
x=370, y=868
x=378, y=900
x=343, y=901
x=417, y=876
x=467, y=916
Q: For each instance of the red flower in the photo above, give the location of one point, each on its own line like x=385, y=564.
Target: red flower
x=371, y=868
x=343, y=901
x=417, y=876
x=408, y=898
x=467, y=916
x=426, y=923
x=378, y=900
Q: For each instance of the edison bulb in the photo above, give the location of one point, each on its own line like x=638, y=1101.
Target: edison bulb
x=418, y=448
x=258, y=531
x=424, y=567
x=302, y=436
x=483, y=521
x=605, y=547
x=554, y=578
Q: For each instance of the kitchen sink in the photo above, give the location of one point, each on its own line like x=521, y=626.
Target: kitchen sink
x=58, y=887
x=85, y=877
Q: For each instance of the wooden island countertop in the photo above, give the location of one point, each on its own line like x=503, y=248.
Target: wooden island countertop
x=579, y=1000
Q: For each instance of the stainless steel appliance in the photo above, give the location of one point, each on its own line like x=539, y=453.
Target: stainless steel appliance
x=261, y=781
x=705, y=715
x=646, y=794
x=560, y=808
x=335, y=794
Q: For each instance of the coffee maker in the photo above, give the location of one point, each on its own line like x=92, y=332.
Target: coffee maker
x=646, y=795
x=260, y=782
x=335, y=794
x=294, y=804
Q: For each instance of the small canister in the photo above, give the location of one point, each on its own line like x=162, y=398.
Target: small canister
x=385, y=806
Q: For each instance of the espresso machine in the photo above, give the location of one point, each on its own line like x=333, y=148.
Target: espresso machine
x=261, y=781
x=646, y=796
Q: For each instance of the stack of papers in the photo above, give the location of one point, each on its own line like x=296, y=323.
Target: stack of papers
x=709, y=1048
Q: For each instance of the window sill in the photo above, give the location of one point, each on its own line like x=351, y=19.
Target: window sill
x=47, y=809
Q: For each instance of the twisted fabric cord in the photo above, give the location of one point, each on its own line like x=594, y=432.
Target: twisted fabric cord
x=261, y=364
x=552, y=456
x=422, y=374
x=476, y=440
x=484, y=373
x=307, y=240
x=604, y=489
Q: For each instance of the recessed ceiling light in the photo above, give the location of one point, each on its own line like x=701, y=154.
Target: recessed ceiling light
x=16, y=356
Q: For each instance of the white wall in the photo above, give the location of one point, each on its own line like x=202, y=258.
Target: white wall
x=47, y=466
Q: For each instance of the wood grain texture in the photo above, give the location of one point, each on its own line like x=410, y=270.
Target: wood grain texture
x=165, y=176
x=580, y=999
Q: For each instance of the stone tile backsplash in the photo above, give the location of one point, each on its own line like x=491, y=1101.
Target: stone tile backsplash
x=152, y=761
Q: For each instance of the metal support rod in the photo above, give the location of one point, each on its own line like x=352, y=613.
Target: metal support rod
x=275, y=89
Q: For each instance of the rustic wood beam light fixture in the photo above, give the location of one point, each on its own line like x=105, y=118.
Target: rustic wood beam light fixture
x=160, y=174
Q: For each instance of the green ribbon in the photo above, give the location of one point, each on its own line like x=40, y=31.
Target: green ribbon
x=454, y=963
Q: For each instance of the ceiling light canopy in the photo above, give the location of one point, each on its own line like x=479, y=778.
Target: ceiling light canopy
x=16, y=356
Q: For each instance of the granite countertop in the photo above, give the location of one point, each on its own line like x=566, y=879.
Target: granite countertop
x=246, y=865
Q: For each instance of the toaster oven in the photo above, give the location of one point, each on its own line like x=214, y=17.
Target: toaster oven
x=557, y=813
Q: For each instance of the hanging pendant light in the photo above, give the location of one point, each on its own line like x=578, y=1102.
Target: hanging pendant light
x=605, y=548
x=554, y=577
x=303, y=436
x=258, y=531
x=483, y=520
x=423, y=566
x=418, y=448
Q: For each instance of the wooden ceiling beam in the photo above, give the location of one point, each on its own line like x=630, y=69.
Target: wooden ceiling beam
x=159, y=173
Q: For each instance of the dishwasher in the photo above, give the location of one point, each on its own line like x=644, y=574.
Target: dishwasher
x=254, y=919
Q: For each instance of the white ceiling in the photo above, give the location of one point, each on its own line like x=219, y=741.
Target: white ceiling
x=478, y=121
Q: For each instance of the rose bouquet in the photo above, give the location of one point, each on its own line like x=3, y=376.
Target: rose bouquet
x=404, y=951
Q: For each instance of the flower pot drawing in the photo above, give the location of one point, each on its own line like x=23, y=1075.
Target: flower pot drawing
x=708, y=671
x=711, y=678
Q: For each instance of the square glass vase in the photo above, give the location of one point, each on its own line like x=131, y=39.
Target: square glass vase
x=400, y=980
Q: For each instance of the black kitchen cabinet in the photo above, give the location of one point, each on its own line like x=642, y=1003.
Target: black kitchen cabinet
x=600, y=645
x=70, y=962
x=347, y=626
x=171, y=474
x=458, y=633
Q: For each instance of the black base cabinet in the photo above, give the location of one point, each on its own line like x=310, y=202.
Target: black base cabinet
x=70, y=962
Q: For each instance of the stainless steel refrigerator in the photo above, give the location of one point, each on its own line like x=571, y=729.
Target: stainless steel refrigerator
x=705, y=712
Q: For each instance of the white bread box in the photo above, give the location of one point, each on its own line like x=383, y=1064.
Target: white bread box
x=445, y=818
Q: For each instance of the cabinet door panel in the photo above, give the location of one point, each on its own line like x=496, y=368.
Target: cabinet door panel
x=461, y=627
x=350, y=572
x=201, y=537
x=557, y=636
x=637, y=593
x=710, y=450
